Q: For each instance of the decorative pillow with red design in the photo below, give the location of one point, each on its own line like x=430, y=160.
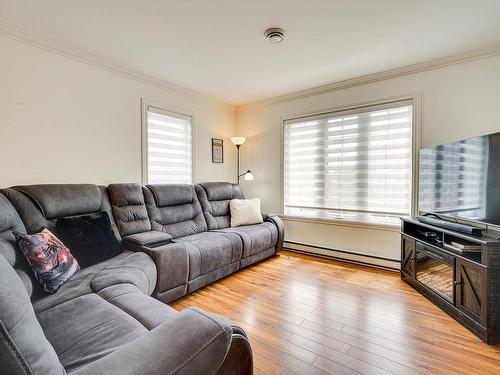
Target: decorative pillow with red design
x=51, y=261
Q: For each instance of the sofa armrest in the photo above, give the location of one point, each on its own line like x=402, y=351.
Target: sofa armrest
x=172, y=265
x=276, y=220
x=193, y=342
x=239, y=359
x=146, y=239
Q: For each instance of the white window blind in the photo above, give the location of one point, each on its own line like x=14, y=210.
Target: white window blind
x=352, y=165
x=169, y=147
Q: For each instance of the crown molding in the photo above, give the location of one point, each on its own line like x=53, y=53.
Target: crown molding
x=99, y=62
x=376, y=77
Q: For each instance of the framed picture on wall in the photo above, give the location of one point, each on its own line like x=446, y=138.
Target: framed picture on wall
x=217, y=150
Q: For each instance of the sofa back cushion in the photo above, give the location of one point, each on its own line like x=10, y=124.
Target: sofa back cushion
x=24, y=349
x=129, y=208
x=39, y=206
x=214, y=198
x=174, y=209
x=9, y=222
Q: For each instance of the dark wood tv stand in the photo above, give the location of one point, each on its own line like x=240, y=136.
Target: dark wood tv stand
x=465, y=285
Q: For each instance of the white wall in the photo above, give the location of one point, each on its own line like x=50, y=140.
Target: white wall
x=66, y=121
x=63, y=120
x=457, y=101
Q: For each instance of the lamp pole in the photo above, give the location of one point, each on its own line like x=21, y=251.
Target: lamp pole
x=238, y=141
x=238, y=164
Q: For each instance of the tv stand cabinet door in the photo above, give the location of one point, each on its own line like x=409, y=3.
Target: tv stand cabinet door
x=471, y=298
x=408, y=255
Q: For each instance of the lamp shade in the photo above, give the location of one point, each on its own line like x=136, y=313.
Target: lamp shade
x=238, y=141
x=248, y=176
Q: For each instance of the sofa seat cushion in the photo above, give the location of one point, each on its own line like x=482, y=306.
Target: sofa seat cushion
x=256, y=238
x=136, y=268
x=87, y=328
x=148, y=311
x=128, y=267
x=209, y=251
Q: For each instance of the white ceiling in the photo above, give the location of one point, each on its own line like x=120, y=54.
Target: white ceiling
x=217, y=47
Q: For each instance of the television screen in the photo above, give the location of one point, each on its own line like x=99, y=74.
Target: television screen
x=462, y=179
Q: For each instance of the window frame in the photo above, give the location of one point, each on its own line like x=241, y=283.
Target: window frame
x=145, y=105
x=415, y=141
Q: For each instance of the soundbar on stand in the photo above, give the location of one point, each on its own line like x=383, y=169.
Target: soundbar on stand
x=462, y=228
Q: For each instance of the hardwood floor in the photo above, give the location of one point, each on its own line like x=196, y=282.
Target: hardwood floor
x=307, y=315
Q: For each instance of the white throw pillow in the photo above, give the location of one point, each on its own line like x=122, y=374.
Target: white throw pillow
x=245, y=212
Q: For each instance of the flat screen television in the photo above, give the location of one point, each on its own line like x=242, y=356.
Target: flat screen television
x=462, y=179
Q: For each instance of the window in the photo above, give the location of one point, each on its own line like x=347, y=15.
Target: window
x=168, y=143
x=353, y=165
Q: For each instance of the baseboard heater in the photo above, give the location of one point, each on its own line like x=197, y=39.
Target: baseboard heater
x=344, y=255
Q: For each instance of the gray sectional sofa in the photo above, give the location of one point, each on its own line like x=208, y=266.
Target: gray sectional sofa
x=104, y=319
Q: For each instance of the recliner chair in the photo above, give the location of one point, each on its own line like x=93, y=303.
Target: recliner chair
x=189, y=235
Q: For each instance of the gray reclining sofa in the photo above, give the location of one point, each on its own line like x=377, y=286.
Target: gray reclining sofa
x=104, y=319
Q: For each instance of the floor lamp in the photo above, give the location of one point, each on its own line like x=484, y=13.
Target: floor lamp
x=238, y=141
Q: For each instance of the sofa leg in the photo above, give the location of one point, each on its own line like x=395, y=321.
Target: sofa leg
x=239, y=360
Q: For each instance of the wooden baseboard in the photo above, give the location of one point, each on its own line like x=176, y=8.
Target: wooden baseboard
x=345, y=256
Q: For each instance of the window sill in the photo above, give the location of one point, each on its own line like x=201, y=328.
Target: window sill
x=346, y=223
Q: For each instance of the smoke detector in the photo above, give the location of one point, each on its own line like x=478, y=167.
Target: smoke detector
x=275, y=35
